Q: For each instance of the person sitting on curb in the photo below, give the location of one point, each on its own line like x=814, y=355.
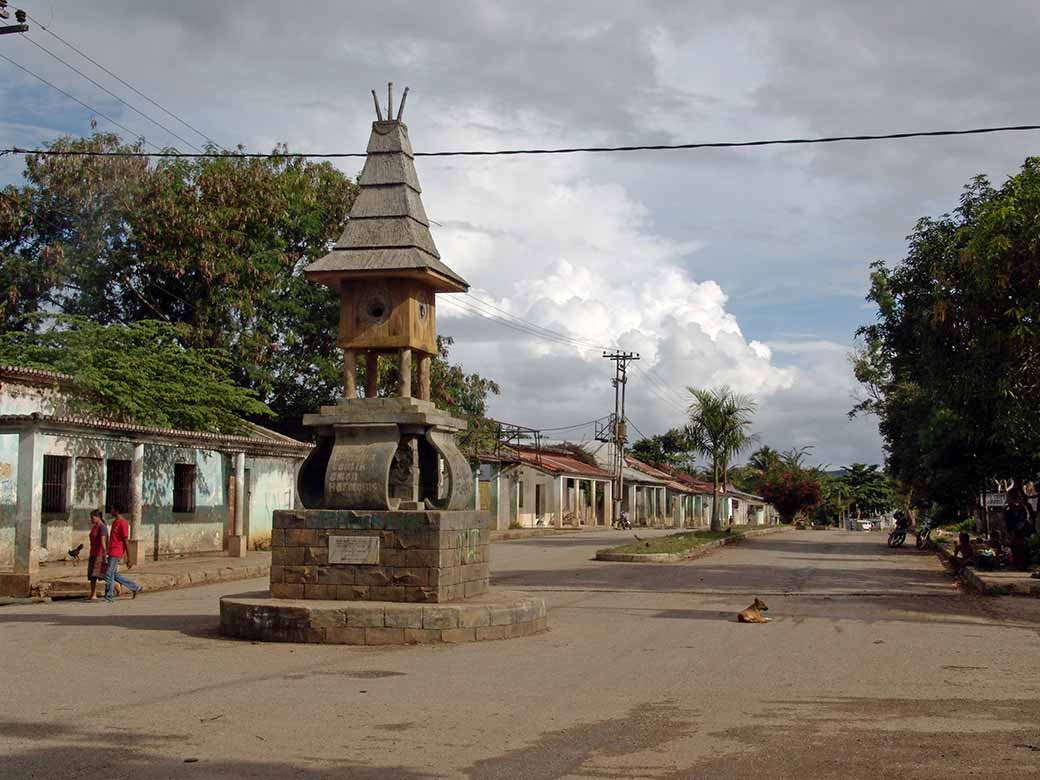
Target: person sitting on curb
x=117, y=539
x=963, y=554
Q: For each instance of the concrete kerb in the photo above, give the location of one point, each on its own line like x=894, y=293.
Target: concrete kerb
x=696, y=552
x=992, y=583
x=496, y=615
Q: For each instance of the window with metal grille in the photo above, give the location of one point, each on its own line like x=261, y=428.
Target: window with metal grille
x=520, y=496
x=183, y=487
x=117, y=486
x=55, y=483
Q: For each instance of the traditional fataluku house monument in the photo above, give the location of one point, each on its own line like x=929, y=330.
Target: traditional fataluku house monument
x=388, y=548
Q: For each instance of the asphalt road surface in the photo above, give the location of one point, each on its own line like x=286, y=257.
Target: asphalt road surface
x=875, y=666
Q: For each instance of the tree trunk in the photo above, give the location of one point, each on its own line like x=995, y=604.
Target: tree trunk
x=716, y=524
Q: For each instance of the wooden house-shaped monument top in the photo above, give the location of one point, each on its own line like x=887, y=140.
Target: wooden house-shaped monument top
x=386, y=266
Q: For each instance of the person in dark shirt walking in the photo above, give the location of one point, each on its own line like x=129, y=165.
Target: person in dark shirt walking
x=117, y=539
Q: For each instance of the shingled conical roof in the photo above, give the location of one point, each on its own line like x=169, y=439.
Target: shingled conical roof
x=387, y=230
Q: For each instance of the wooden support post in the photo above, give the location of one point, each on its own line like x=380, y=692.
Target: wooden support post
x=349, y=374
x=424, y=377
x=406, y=373
x=371, y=374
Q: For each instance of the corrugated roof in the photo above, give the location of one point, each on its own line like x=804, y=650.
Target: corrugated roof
x=559, y=463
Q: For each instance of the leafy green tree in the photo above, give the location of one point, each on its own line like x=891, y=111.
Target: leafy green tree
x=950, y=365
x=139, y=373
x=835, y=499
x=213, y=246
x=719, y=429
x=666, y=449
x=870, y=490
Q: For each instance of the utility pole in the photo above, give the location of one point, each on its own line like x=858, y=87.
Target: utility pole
x=19, y=16
x=618, y=433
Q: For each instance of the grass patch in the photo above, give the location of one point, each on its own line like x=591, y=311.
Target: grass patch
x=673, y=543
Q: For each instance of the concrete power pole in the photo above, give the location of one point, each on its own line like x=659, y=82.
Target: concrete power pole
x=618, y=432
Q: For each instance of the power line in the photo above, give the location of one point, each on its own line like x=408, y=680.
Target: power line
x=129, y=86
x=555, y=334
x=110, y=92
x=577, y=425
x=663, y=391
x=90, y=108
x=641, y=434
x=656, y=380
x=562, y=150
x=521, y=328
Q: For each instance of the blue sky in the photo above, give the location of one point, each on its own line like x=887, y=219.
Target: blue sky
x=746, y=267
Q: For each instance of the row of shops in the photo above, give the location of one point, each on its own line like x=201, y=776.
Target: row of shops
x=556, y=487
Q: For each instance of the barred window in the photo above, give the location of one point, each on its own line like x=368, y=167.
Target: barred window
x=183, y=487
x=55, y=484
x=117, y=486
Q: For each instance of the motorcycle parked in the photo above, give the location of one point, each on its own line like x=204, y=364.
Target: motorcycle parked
x=898, y=535
x=622, y=523
x=924, y=534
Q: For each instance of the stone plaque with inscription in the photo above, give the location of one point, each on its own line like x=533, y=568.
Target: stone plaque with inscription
x=353, y=549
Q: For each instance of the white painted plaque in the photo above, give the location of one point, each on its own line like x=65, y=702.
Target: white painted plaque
x=353, y=549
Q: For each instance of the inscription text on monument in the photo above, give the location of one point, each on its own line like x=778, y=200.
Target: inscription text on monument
x=353, y=549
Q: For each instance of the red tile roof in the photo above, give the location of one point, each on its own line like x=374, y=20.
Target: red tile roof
x=560, y=463
x=694, y=484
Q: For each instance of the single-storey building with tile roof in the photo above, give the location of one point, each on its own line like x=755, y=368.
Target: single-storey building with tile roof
x=183, y=492
x=546, y=487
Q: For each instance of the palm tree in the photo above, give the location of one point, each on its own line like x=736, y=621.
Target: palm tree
x=764, y=459
x=718, y=430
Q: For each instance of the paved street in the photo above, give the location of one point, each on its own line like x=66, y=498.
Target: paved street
x=875, y=666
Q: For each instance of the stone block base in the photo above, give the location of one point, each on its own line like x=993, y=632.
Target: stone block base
x=136, y=551
x=237, y=546
x=495, y=615
x=17, y=585
x=418, y=556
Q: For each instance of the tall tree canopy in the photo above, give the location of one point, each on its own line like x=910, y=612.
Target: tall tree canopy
x=951, y=365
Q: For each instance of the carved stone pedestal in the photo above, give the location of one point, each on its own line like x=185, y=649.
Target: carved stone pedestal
x=385, y=453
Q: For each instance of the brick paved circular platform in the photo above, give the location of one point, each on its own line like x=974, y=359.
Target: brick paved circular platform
x=495, y=615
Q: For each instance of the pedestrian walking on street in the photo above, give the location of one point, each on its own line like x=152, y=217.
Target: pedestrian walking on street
x=117, y=539
x=98, y=551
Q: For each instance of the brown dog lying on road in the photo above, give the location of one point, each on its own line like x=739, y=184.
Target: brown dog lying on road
x=753, y=614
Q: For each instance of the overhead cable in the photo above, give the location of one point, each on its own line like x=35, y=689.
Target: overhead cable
x=90, y=108
x=129, y=86
x=112, y=94
x=561, y=150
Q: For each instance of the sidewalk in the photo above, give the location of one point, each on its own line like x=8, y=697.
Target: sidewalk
x=1001, y=582
x=69, y=580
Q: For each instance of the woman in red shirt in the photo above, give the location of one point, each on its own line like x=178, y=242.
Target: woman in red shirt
x=98, y=546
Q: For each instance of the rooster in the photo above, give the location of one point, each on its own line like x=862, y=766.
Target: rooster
x=75, y=551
